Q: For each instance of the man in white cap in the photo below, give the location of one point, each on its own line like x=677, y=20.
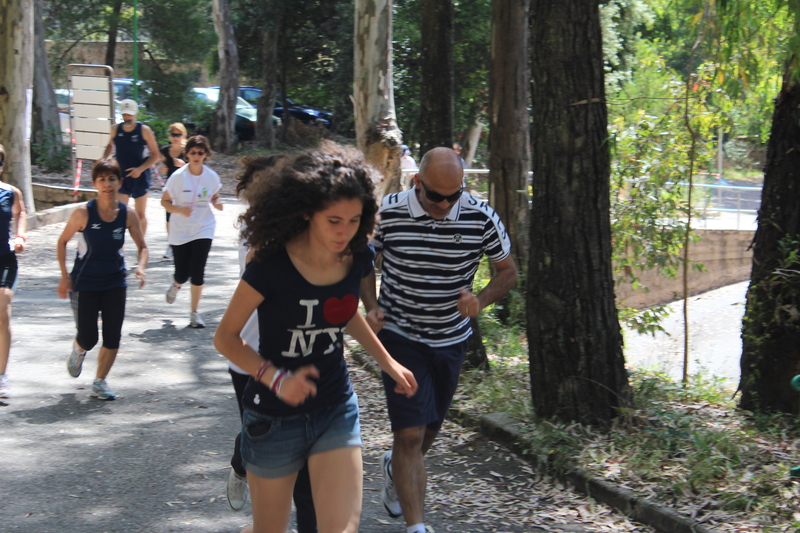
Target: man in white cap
x=128, y=141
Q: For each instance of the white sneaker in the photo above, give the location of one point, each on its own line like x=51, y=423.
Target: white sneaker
x=236, y=491
x=168, y=253
x=388, y=492
x=172, y=292
x=195, y=321
x=102, y=391
x=75, y=361
x=4, y=387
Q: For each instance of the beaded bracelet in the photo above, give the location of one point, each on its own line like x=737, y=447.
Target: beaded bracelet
x=263, y=368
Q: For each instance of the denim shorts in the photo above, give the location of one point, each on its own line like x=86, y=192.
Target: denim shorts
x=436, y=370
x=274, y=447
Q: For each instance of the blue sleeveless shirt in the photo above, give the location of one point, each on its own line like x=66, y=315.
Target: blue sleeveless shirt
x=99, y=263
x=130, y=150
x=6, y=212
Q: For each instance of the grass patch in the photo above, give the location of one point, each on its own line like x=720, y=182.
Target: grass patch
x=689, y=447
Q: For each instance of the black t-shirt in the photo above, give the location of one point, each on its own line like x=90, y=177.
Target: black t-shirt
x=302, y=324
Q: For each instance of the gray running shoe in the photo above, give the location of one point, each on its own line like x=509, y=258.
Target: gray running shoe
x=195, y=321
x=236, y=491
x=4, y=387
x=75, y=361
x=172, y=292
x=102, y=391
x=388, y=492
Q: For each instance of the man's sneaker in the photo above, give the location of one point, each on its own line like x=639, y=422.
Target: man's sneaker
x=75, y=361
x=168, y=253
x=4, y=387
x=388, y=492
x=172, y=292
x=236, y=491
x=195, y=321
x=102, y=391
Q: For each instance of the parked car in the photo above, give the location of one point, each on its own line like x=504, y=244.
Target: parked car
x=123, y=90
x=245, y=124
x=303, y=113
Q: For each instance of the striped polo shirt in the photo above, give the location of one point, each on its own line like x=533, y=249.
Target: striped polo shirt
x=427, y=261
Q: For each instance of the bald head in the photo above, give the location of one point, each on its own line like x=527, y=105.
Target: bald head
x=445, y=164
x=440, y=176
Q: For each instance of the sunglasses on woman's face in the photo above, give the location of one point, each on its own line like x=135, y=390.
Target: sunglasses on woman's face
x=175, y=134
x=437, y=198
x=195, y=152
x=2, y=163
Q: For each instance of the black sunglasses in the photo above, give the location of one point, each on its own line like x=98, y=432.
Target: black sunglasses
x=174, y=134
x=2, y=163
x=437, y=198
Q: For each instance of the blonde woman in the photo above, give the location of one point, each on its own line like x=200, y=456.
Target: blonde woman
x=173, y=157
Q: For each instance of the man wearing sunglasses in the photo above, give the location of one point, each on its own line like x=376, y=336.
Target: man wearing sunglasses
x=128, y=141
x=432, y=238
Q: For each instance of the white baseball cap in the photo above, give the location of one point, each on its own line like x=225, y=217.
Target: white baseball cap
x=128, y=107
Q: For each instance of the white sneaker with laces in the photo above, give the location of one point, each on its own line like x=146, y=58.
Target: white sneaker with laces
x=172, y=292
x=388, y=492
x=195, y=321
x=102, y=391
x=75, y=361
x=4, y=395
x=236, y=491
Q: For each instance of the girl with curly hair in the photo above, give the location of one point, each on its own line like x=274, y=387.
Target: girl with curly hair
x=308, y=222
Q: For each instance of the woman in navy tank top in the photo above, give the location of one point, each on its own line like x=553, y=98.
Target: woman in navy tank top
x=97, y=282
x=12, y=225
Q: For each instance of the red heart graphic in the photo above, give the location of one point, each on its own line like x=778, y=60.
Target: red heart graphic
x=338, y=311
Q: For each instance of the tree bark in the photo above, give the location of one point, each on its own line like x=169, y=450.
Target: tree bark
x=222, y=124
x=265, y=132
x=113, y=27
x=436, y=75
x=16, y=93
x=377, y=134
x=771, y=327
x=46, y=134
x=509, y=142
x=471, y=139
x=576, y=363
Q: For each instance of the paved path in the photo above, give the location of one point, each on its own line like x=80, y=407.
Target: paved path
x=156, y=460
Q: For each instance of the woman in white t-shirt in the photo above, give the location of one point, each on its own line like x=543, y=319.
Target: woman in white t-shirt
x=188, y=195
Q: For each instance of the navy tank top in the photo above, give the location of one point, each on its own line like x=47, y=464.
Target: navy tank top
x=6, y=212
x=99, y=263
x=130, y=149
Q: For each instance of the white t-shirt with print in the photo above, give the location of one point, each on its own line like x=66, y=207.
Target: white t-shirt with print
x=188, y=190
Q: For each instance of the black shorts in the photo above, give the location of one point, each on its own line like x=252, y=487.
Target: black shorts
x=88, y=305
x=436, y=371
x=190, y=261
x=8, y=271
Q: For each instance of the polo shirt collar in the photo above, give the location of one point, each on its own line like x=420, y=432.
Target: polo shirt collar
x=417, y=211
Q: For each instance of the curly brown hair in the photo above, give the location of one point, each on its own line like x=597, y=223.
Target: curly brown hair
x=292, y=192
x=253, y=168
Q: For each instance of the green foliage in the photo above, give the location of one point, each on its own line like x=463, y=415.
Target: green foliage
x=51, y=153
x=169, y=93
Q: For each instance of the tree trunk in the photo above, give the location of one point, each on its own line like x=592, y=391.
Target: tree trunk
x=771, y=326
x=509, y=142
x=46, y=134
x=113, y=27
x=471, y=139
x=16, y=93
x=377, y=134
x=576, y=363
x=436, y=75
x=222, y=124
x=265, y=132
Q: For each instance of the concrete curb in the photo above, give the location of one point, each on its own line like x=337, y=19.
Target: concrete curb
x=502, y=428
x=53, y=215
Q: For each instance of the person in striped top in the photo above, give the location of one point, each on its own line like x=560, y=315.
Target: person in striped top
x=432, y=238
